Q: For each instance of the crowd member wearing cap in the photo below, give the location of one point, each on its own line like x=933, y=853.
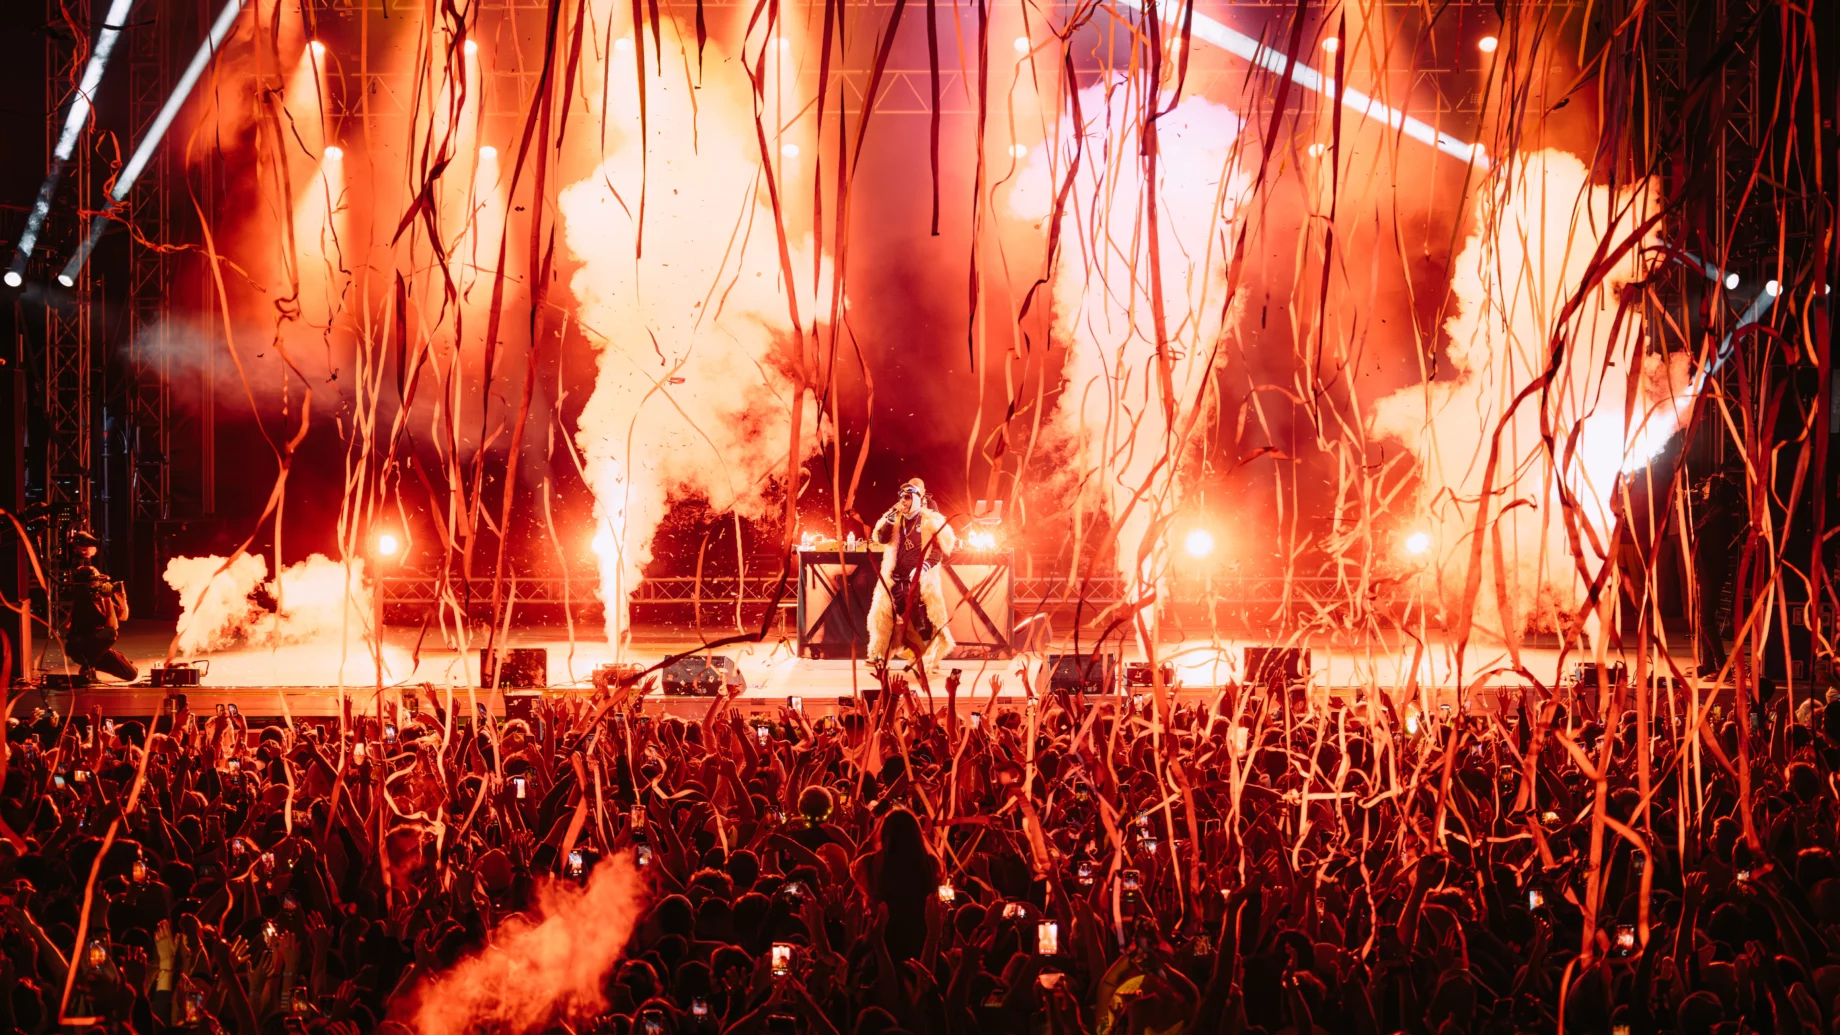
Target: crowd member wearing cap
x=917, y=540
x=98, y=606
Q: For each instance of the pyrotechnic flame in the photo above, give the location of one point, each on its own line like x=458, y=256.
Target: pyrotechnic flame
x=1111, y=414
x=692, y=398
x=1536, y=237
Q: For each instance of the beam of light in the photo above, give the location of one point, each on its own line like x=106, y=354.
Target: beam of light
x=387, y=545
x=1246, y=48
x=1199, y=543
x=1658, y=430
x=220, y=29
x=74, y=121
x=1418, y=543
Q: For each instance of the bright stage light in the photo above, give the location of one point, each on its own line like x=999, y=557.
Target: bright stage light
x=623, y=44
x=1018, y=150
x=13, y=279
x=789, y=150
x=1418, y=543
x=782, y=43
x=1771, y=288
x=488, y=153
x=319, y=49
x=1330, y=45
x=67, y=280
x=471, y=48
x=978, y=540
x=1315, y=150
x=1022, y=44
x=1731, y=281
x=1487, y=44
x=1199, y=543
x=334, y=153
x=602, y=543
x=387, y=545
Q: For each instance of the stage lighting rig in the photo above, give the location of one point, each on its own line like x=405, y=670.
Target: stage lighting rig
x=75, y=119
x=124, y=181
x=1278, y=62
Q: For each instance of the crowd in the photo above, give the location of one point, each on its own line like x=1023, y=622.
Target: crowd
x=1080, y=866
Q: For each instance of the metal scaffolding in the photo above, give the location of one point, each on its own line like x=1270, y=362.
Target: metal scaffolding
x=148, y=431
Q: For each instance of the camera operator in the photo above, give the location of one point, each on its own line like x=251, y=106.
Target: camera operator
x=98, y=606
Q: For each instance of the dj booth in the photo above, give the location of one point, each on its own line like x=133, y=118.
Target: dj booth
x=836, y=587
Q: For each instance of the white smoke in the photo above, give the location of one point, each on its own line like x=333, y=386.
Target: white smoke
x=315, y=600
x=1533, y=248
x=1110, y=413
x=692, y=398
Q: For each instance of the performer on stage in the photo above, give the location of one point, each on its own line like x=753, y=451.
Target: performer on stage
x=918, y=539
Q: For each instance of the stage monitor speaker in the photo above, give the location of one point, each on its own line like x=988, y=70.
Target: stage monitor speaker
x=522, y=704
x=612, y=675
x=178, y=673
x=1083, y=673
x=703, y=676
x=517, y=668
x=1584, y=674
x=1137, y=674
x=1276, y=666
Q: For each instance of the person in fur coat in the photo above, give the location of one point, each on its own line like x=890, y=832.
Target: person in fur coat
x=917, y=540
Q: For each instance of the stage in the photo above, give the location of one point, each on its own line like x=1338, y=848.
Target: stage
x=310, y=680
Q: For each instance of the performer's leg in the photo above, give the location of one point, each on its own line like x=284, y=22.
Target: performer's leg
x=881, y=625
x=116, y=664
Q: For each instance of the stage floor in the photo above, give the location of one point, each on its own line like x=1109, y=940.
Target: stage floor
x=312, y=679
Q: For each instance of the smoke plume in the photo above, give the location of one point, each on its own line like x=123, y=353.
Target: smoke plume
x=541, y=969
x=693, y=395
x=1534, y=248
x=1110, y=415
x=318, y=599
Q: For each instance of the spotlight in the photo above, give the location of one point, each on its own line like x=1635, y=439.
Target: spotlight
x=1315, y=150
x=623, y=44
x=782, y=43
x=67, y=280
x=1731, y=281
x=981, y=540
x=1019, y=150
x=471, y=47
x=1330, y=45
x=13, y=279
x=789, y=150
x=387, y=545
x=1199, y=543
x=488, y=153
x=1418, y=543
x=1771, y=288
x=318, y=48
x=1487, y=44
x=334, y=153
x=602, y=544
x=1022, y=44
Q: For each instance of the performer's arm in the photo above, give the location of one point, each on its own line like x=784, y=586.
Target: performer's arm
x=884, y=529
